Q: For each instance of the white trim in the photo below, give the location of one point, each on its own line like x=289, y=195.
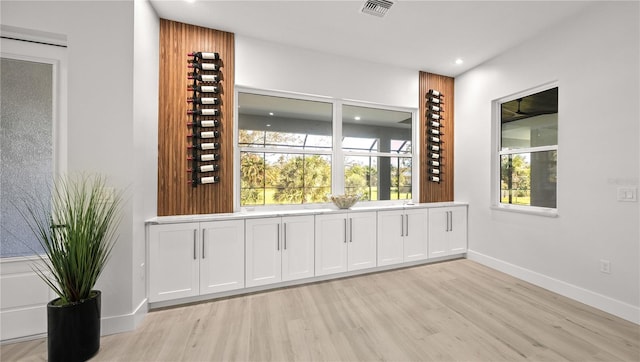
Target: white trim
x=337, y=153
x=57, y=57
x=516, y=151
x=602, y=302
x=375, y=154
x=337, y=178
x=416, y=141
x=522, y=209
x=23, y=339
x=529, y=91
x=237, y=177
x=126, y=322
x=291, y=150
x=280, y=93
x=496, y=152
x=24, y=313
x=31, y=35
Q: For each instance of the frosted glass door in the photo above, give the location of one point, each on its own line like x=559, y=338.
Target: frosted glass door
x=26, y=147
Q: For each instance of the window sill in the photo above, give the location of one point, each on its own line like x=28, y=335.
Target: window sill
x=531, y=210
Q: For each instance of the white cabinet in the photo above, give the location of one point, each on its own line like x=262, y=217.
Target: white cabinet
x=206, y=257
x=402, y=236
x=415, y=234
x=279, y=249
x=345, y=242
x=263, y=258
x=297, y=247
x=390, y=237
x=173, y=261
x=447, y=231
x=361, y=249
x=191, y=259
x=221, y=256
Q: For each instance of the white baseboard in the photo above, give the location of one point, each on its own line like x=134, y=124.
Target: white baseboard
x=599, y=301
x=140, y=313
x=126, y=322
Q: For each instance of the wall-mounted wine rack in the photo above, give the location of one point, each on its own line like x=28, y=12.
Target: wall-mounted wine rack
x=434, y=119
x=204, y=116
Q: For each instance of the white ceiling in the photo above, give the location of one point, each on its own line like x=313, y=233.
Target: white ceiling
x=421, y=35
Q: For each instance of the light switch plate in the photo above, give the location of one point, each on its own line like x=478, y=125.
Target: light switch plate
x=629, y=194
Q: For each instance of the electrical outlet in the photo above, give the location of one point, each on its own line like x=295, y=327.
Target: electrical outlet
x=628, y=194
x=605, y=266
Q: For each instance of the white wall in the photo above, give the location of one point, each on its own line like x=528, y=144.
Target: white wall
x=594, y=57
x=103, y=134
x=146, y=55
x=273, y=66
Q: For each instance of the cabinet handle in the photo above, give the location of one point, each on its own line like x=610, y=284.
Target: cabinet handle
x=278, y=240
x=350, y=229
x=406, y=220
x=194, y=244
x=402, y=225
x=203, y=230
x=285, y=236
x=345, y=230
x=450, y=220
x=446, y=213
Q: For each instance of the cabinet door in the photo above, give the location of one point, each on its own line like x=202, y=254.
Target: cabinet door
x=362, y=240
x=263, y=256
x=297, y=247
x=221, y=256
x=458, y=230
x=415, y=235
x=390, y=237
x=173, y=261
x=438, y=232
x=331, y=244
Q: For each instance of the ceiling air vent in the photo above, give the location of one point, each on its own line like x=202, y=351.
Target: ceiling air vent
x=376, y=7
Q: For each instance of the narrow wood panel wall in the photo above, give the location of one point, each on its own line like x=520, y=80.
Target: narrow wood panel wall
x=176, y=196
x=431, y=191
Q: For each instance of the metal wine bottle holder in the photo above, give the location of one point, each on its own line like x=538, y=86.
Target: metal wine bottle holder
x=434, y=119
x=204, y=118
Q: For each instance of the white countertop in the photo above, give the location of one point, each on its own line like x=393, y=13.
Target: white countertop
x=259, y=212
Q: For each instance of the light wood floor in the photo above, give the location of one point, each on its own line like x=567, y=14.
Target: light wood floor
x=456, y=310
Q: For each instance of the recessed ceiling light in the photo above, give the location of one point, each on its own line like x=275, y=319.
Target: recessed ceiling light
x=271, y=113
x=268, y=125
x=357, y=118
x=459, y=61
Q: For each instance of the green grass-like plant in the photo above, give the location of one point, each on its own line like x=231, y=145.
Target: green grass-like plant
x=77, y=231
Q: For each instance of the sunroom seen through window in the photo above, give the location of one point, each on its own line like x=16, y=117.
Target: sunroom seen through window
x=285, y=150
x=377, y=152
x=529, y=150
x=287, y=154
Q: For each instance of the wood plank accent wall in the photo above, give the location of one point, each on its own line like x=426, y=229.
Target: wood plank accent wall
x=431, y=191
x=176, y=196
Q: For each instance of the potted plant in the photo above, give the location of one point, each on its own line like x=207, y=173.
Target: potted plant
x=77, y=231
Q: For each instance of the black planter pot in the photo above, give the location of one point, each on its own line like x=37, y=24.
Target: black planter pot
x=73, y=331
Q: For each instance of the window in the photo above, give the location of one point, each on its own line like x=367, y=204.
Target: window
x=285, y=149
x=376, y=145
x=528, y=150
x=289, y=154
